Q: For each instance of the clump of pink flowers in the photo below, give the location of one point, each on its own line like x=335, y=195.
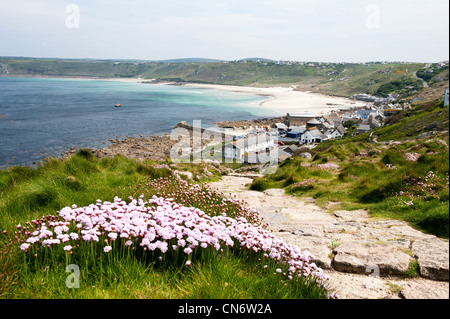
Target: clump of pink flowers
x=200, y=196
x=327, y=166
x=307, y=183
x=412, y=157
x=420, y=188
x=161, y=227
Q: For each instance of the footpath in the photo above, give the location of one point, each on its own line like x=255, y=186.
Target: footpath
x=366, y=258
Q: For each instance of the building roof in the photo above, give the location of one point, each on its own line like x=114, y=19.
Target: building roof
x=289, y=149
x=334, y=115
x=300, y=129
x=315, y=133
x=280, y=125
x=251, y=140
x=314, y=122
x=301, y=115
x=341, y=129
x=364, y=127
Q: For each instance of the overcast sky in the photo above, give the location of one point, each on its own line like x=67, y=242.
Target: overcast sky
x=300, y=30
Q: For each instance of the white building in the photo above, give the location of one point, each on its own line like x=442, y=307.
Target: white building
x=338, y=132
x=253, y=143
x=313, y=136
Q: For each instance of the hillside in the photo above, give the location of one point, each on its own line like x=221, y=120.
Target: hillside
x=411, y=154
x=341, y=79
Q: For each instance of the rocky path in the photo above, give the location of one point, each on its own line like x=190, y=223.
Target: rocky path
x=364, y=257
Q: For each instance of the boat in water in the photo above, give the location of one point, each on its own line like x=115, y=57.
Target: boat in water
x=118, y=105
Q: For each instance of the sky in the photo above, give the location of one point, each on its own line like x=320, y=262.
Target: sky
x=298, y=30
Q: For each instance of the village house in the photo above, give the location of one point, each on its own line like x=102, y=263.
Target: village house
x=313, y=136
x=293, y=134
x=334, y=119
x=337, y=132
x=373, y=123
x=314, y=123
x=291, y=149
x=365, y=114
x=252, y=143
x=300, y=129
x=363, y=128
x=280, y=126
x=298, y=119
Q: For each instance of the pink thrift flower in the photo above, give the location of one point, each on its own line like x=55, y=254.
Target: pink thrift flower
x=113, y=236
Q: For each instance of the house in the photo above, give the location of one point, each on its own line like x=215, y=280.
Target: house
x=282, y=156
x=314, y=123
x=338, y=132
x=328, y=126
x=313, y=136
x=299, y=119
x=362, y=129
x=334, y=119
x=290, y=149
x=365, y=114
x=280, y=126
x=238, y=149
x=373, y=123
x=300, y=129
x=293, y=134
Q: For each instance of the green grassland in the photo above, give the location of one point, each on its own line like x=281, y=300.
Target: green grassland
x=341, y=79
x=32, y=194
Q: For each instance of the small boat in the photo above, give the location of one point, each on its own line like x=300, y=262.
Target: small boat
x=118, y=105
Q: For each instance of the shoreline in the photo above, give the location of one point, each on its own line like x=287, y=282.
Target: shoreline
x=281, y=100
x=288, y=100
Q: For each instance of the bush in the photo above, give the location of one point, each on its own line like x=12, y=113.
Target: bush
x=259, y=184
x=86, y=154
x=395, y=158
x=435, y=222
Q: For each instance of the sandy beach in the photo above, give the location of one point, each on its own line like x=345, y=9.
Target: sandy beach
x=282, y=100
x=286, y=100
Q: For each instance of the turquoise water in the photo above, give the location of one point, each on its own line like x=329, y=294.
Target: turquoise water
x=45, y=117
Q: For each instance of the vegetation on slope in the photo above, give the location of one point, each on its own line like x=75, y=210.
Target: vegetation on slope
x=406, y=178
x=342, y=79
x=68, y=212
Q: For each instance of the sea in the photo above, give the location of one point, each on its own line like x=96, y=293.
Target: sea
x=43, y=117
